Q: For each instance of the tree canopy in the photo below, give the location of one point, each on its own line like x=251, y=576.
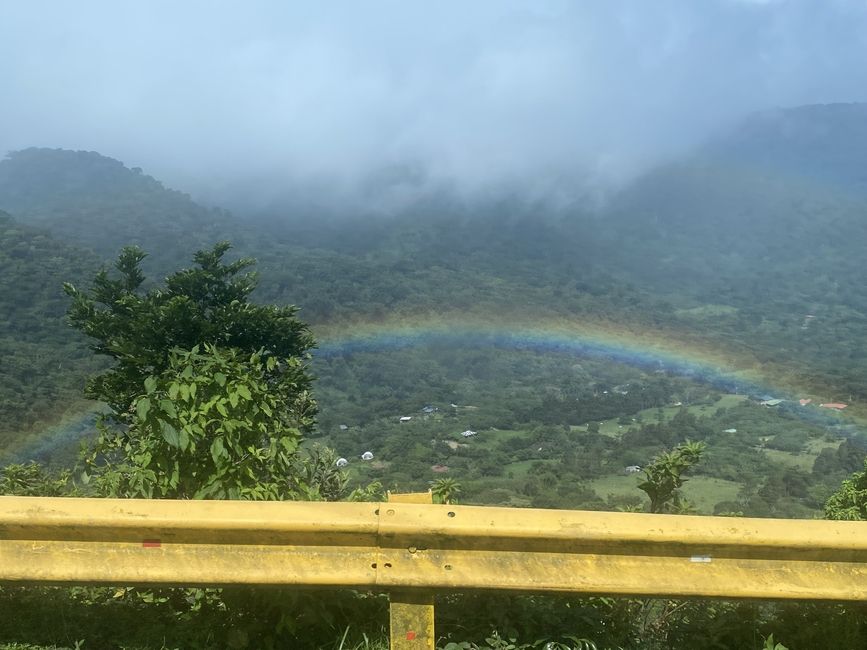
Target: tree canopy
x=665, y=476
x=209, y=393
x=850, y=501
x=207, y=304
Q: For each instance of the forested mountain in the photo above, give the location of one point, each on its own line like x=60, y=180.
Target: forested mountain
x=783, y=189
x=98, y=203
x=821, y=144
x=731, y=247
x=42, y=361
x=765, y=226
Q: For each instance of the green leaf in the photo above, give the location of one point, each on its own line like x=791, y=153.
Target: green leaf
x=173, y=390
x=193, y=389
x=143, y=407
x=150, y=385
x=170, y=434
x=233, y=398
x=221, y=409
x=218, y=450
x=168, y=407
x=220, y=378
x=244, y=392
x=183, y=439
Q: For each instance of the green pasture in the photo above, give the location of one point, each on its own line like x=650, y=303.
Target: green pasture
x=805, y=459
x=612, y=428
x=704, y=492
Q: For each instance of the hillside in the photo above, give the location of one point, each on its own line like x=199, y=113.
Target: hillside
x=819, y=144
x=98, y=203
x=42, y=361
x=442, y=252
x=764, y=227
x=703, y=253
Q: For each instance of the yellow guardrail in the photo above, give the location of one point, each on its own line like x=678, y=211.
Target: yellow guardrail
x=412, y=549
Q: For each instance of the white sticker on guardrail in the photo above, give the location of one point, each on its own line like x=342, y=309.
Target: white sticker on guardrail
x=700, y=558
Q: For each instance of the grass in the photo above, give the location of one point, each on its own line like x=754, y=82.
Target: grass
x=804, y=460
x=625, y=485
x=489, y=438
x=366, y=643
x=704, y=492
x=816, y=445
x=27, y=646
x=612, y=429
x=521, y=468
x=343, y=643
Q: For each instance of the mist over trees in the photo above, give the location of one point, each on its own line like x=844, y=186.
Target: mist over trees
x=749, y=245
x=692, y=176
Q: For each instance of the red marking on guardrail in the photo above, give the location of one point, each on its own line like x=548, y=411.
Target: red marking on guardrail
x=151, y=543
x=410, y=636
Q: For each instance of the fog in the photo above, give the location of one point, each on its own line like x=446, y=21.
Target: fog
x=371, y=103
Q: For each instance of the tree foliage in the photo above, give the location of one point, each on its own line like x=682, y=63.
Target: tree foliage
x=209, y=393
x=32, y=480
x=850, y=501
x=445, y=490
x=207, y=304
x=215, y=424
x=664, y=476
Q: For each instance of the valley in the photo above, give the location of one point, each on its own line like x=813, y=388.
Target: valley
x=584, y=304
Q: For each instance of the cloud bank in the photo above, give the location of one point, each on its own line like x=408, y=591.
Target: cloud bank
x=354, y=101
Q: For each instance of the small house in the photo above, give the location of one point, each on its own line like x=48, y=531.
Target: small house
x=837, y=406
x=632, y=469
x=367, y=455
x=343, y=427
x=342, y=462
x=730, y=431
x=406, y=418
x=468, y=433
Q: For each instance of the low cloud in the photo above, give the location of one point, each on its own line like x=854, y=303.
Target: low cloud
x=371, y=103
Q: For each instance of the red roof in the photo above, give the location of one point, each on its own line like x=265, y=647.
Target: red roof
x=834, y=405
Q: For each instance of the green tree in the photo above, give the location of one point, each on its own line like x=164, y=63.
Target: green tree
x=32, y=480
x=209, y=394
x=207, y=304
x=849, y=502
x=445, y=490
x=664, y=476
x=215, y=424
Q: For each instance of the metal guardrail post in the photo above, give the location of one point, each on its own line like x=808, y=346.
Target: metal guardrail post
x=411, y=614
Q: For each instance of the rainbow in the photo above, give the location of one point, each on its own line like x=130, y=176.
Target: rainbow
x=650, y=350
x=643, y=349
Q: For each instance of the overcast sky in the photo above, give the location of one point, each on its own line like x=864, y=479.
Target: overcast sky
x=215, y=96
